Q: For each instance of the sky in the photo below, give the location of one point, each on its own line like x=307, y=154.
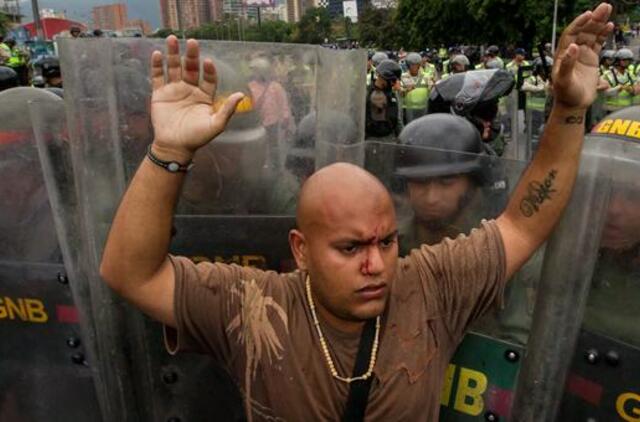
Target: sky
x=80, y=10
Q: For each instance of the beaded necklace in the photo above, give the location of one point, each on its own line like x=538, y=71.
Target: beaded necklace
x=325, y=348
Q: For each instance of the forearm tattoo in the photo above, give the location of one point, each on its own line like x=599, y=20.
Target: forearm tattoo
x=574, y=120
x=537, y=194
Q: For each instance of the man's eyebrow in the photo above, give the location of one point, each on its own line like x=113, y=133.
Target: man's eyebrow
x=361, y=242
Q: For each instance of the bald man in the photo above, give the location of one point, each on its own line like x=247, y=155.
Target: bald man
x=353, y=320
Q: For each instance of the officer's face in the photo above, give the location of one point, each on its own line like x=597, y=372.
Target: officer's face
x=352, y=253
x=438, y=201
x=414, y=68
x=622, y=228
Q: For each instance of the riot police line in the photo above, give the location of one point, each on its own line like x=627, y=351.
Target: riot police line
x=65, y=167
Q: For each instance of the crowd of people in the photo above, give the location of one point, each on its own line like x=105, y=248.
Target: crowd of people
x=403, y=86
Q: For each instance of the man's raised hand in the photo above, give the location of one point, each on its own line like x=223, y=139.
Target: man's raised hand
x=575, y=71
x=182, y=102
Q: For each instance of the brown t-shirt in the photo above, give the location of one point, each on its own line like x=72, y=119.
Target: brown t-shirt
x=258, y=325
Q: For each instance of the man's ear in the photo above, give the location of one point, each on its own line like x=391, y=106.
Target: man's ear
x=298, y=245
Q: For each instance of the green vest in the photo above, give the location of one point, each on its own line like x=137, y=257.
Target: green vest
x=5, y=52
x=16, y=59
x=513, y=68
x=429, y=70
x=536, y=100
x=418, y=97
x=623, y=98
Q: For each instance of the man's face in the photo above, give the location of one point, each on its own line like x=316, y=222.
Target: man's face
x=413, y=69
x=438, y=201
x=519, y=57
x=352, y=252
x=624, y=63
x=622, y=228
x=458, y=68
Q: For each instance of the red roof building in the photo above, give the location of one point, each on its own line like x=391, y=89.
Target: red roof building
x=53, y=26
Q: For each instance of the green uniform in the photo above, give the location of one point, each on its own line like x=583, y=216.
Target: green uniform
x=622, y=98
x=5, y=53
x=430, y=72
x=513, y=68
x=414, y=101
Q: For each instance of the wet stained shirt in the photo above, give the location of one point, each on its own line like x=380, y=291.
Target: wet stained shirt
x=258, y=325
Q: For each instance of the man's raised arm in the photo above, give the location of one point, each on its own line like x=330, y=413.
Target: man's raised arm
x=135, y=262
x=544, y=190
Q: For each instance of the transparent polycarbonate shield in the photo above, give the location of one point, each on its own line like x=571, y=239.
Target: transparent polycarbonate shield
x=43, y=352
x=567, y=273
x=441, y=194
x=284, y=85
x=603, y=378
x=237, y=204
x=534, y=121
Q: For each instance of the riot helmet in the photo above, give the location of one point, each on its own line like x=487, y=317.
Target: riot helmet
x=608, y=54
x=336, y=127
x=49, y=68
x=473, y=95
x=378, y=57
x=413, y=59
x=493, y=64
x=624, y=54
x=8, y=78
x=459, y=63
x=389, y=70
x=493, y=50
x=446, y=136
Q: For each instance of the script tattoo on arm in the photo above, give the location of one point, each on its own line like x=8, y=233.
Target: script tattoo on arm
x=537, y=194
x=574, y=120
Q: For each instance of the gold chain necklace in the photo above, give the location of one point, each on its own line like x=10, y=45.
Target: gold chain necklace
x=325, y=348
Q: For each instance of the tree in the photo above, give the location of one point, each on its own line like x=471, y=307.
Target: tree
x=270, y=31
x=314, y=27
x=522, y=23
x=377, y=28
x=4, y=24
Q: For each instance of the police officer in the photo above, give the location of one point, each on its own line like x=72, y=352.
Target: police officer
x=446, y=64
x=383, y=114
x=48, y=73
x=537, y=87
x=376, y=59
x=18, y=61
x=612, y=304
x=447, y=193
x=519, y=60
x=428, y=68
x=621, y=84
x=481, y=107
x=5, y=51
x=415, y=87
x=458, y=64
x=493, y=53
x=606, y=61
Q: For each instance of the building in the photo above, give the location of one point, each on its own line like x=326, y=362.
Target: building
x=336, y=7
x=50, y=13
x=296, y=8
x=143, y=27
x=52, y=27
x=10, y=9
x=192, y=13
x=110, y=17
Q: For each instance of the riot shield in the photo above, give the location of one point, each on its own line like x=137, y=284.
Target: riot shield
x=601, y=332
x=583, y=362
x=464, y=189
x=44, y=350
x=237, y=205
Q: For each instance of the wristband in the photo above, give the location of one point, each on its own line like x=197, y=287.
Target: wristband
x=170, y=166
